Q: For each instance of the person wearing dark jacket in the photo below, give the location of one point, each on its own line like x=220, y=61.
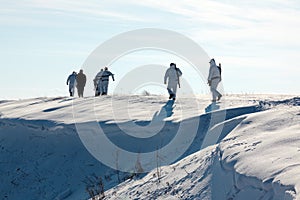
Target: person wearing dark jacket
x=81, y=81
x=71, y=81
x=98, y=83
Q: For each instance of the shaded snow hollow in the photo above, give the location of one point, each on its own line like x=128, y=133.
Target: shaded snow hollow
x=259, y=159
x=257, y=155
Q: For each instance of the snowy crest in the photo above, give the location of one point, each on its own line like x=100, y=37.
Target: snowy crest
x=147, y=147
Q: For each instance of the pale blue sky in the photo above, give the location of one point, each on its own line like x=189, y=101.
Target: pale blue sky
x=42, y=42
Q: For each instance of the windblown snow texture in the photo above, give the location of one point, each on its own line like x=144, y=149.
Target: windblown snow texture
x=257, y=155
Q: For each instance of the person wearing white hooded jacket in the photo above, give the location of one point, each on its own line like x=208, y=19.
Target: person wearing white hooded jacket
x=172, y=76
x=214, y=78
x=98, y=83
x=102, y=80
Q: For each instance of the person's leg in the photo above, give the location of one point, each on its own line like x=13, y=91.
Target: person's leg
x=219, y=95
x=71, y=90
x=171, y=89
x=100, y=89
x=82, y=90
x=174, y=90
x=213, y=93
x=170, y=93
x=105, y=87
x=96, y=91
x=213, y=89
x=78, y=91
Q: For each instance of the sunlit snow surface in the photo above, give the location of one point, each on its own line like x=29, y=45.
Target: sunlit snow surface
x=257, y=157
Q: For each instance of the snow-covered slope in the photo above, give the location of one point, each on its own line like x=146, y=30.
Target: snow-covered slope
x=42, y=156
x=263, y=155
x=259, y=159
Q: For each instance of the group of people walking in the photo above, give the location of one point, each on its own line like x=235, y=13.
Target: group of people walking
x=171, y=78
x=173, y=74
x=101, y=81
x=79, y=80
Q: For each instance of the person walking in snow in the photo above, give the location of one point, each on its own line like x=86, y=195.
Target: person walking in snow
x=98, y=83
x=172, y=76
x=104, y=80
x=81, y=81
x=71, y=81
x=214, y=78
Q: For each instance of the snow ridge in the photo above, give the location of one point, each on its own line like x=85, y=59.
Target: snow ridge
x=245, y=165
x=42, y=156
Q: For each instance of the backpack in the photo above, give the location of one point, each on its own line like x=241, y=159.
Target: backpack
x=220, y=69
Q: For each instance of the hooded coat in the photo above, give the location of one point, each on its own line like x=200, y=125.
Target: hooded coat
x=172, y=76
x=214, y=72
x=71, y=81
x=81, y=80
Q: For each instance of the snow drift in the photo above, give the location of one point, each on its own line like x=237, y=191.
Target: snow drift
x=259, y=159
x=257, y=155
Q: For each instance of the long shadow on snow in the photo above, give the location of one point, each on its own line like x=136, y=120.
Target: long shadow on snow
x=65, y=141
x=206, y=123
x=143, y=145
x=209, y=120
